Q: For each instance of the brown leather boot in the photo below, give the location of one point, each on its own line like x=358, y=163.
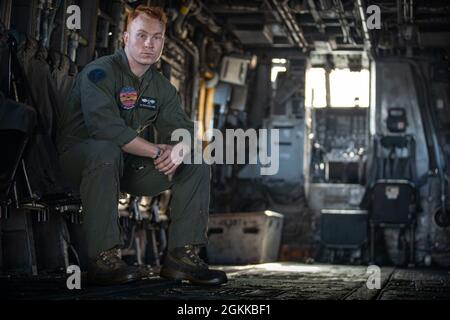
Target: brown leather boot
x=109, y=269
x=183, y=263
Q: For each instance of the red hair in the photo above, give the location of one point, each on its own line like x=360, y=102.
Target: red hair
x=153, y=12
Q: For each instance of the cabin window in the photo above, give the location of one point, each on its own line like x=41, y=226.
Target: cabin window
x=347, y=88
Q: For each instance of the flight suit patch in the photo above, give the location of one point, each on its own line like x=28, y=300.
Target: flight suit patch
x=128, y=97
x=147, y=103
x=96, y=75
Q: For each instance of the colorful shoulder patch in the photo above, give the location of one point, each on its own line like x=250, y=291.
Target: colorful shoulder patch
x=96, y=75
x=128, y=97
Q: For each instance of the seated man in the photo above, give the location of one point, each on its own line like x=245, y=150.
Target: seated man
x=114, y=98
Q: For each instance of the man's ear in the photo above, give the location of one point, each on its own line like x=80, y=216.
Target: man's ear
x=126, y=36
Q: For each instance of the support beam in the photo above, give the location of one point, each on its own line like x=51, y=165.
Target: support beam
x=362, y=15
x=290, y=22
x=315, y=14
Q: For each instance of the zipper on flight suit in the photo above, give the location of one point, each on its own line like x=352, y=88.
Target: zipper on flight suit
x=145, y=125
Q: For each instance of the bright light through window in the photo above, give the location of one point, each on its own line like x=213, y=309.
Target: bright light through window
x=315, y=95
x=349, y=89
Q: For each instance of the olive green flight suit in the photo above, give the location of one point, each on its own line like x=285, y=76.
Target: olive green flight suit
x=107, y=108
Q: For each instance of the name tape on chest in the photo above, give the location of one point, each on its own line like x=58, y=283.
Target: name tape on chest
x=147, y=103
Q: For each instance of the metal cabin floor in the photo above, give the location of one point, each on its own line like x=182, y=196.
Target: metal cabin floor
x=274, y=281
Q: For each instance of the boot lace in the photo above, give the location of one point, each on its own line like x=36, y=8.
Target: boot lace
x=110, y=257
x=192, y=253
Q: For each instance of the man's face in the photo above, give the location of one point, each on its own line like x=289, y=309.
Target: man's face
x=144, y=40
